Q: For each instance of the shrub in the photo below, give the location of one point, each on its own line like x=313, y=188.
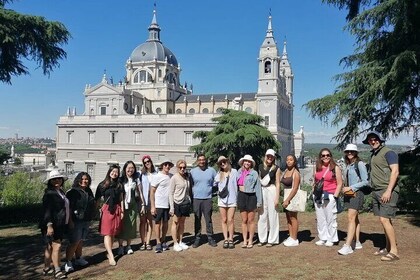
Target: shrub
x=20, y=189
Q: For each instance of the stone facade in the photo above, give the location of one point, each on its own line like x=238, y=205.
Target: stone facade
x=152, y=113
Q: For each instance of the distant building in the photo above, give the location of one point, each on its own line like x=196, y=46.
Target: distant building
x=153, y=113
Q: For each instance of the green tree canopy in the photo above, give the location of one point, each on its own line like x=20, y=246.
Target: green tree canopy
x=237, y=133
x=381, y=89
x=4, y=156
x=29, y=37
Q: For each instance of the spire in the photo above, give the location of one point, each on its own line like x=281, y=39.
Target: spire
x=284, y=56
x=269, y=28
x=154, y=29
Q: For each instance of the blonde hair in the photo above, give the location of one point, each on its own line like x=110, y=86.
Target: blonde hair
x=181, y=161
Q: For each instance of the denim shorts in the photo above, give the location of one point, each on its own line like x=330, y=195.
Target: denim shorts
x=79, y=232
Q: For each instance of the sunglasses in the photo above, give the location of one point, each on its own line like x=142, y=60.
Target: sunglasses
x=325, y=156
x=182, y=167
x=146, y=161
x=350, y=152
x=223, y=162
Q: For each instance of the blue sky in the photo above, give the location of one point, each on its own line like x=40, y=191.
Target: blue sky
x=216, y=43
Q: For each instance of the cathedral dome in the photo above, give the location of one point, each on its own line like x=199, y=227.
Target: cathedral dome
x=151, y=50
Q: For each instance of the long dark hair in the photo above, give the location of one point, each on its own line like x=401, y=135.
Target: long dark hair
x=78, y=179
x=319, y=164
x=107, y=181
x=356, y=158
x=152, y=166
x=124, y=178
x=295, y=161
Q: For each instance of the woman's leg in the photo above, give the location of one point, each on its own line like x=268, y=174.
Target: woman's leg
x=174, y=229
x=357, y=227
x=71, y=249
x=251, y=227
x=142, y=228
x=79, y=248
x=223, y=216
x=55, y=254
x=149, y=224
x=351, y=225
x=263, y=217
x=230, y=222
x=48, y=256
x=181, y=227
x=244, y=217
x=108, y=241
x=292, y=224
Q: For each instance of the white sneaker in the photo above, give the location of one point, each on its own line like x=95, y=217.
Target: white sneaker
x=81, y=262
x=358, y=245
x=290, y=242
x=183, y=245
x=345, y=250
x=329, y=244
x=68, y=267
x=121, y=251
x=287, y=240
x=320, y=243
x=177, y=248
x=129, y=250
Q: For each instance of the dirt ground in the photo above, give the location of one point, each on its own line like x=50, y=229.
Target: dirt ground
x=21, y=255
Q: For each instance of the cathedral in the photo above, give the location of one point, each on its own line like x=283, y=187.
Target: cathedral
x=153, y=113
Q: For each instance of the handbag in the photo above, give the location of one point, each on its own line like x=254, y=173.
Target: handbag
x=266, y=180
x=225, y=191
x=319, y=187
x=298, y=202
x=350, y=193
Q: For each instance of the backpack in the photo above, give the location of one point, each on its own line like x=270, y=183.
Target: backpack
x=365, y=189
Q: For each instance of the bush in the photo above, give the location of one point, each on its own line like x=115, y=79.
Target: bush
x=19, y=189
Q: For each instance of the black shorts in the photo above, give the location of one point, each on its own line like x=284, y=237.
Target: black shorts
x=162, y=214
x=356, y=202
x=182, y=210
x=57, y=236
x=247, y=201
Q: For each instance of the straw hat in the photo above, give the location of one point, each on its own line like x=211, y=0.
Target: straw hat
x=247, y=157
x=55, y=174
x=222, y=158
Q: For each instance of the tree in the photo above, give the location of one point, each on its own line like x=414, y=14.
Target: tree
x=381, y=89
x=29, y=37
x=237, y=133
x=4, y=156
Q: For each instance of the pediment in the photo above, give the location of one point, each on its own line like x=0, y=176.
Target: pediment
x=103, y=89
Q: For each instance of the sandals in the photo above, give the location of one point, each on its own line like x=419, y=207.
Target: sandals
x=226, y=244
x=149, y=247
x=60, y=275
x=390, y=257
x=261, y=244
x=250, y=245
x=231, y=244
x=142, y=247
x=269, y=245
x=381, y=252
x=48, y=271
x=244, y=245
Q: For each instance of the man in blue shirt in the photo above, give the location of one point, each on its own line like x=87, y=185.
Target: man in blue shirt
x=203, y=177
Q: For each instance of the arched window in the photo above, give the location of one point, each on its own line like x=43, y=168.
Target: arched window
x=267, y=67
x=142, y=77
x=219, y=110
x=191, y=111
x=158, y=110
x=205, y=111
x=178, y=111
x=248, y=110
x=171, y=79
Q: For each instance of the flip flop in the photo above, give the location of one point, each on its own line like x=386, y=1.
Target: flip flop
x=243, y=245
x=250, y=246
x=390, y=257
x=381, y=252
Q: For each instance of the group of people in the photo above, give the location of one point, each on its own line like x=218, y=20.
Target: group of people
x=154, y=196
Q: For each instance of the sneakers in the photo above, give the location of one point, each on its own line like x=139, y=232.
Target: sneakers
x=345, y=250
x=121, y=251
x=158, y=248
x=183, y=245
x=68, y=267
x=177, y=247
x=320, y=243
x=165, y=247
x=196, y=243
x=129, y=250
x=81, y=262
x=329, y=244
x=212, y=243
x=358, y=245
x=290, y=242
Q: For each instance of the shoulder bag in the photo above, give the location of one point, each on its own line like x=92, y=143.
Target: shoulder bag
x=225, y=191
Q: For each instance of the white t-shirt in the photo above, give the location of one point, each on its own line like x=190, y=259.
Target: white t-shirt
x=162, y=183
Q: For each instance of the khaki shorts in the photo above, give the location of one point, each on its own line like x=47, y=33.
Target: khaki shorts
x=386, y=210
